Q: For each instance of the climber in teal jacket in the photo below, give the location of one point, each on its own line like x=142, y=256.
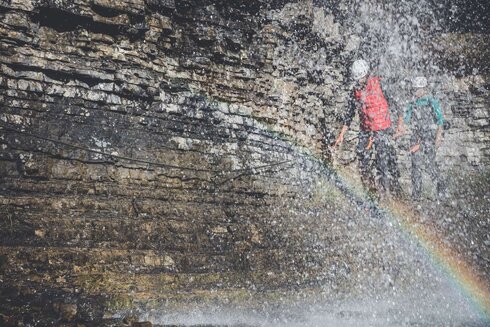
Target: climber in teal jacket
x=426, y=120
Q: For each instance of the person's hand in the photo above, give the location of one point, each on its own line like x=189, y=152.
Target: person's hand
x=339, y=140
x=415, y=148
x=370, y=143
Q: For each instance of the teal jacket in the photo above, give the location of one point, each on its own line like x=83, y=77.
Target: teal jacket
x=423, y=102
x=423, y=115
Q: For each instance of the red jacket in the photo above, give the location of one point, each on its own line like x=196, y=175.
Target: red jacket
x=375, y=115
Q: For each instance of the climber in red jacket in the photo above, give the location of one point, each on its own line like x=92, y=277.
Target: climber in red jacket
x=375, y=131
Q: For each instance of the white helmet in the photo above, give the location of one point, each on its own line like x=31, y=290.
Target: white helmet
x=419, y=82
x=359, y=69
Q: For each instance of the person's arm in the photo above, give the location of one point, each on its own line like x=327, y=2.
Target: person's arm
x=403, y=121
x=438, y=139
x=347, y=120
x=400, y=128
x=440, y=121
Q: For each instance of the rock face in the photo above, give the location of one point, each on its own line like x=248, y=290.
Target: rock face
x=164, y=152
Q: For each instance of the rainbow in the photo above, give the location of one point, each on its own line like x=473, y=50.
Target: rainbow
x=474, y=287
x=457, y=270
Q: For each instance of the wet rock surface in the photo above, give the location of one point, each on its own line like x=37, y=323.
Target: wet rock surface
x=163, y=152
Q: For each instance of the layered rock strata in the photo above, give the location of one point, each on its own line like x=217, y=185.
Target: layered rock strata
x=157, y=152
